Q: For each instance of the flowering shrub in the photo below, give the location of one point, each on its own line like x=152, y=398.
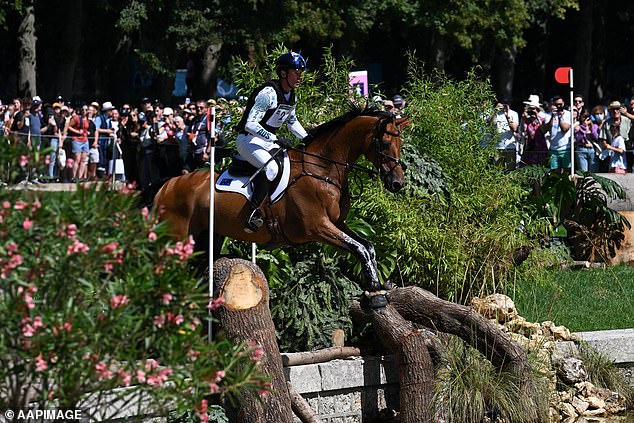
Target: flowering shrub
x=94, y=296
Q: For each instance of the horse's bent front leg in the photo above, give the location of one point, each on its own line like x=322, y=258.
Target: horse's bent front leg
x=367, y=244
x=362, y=249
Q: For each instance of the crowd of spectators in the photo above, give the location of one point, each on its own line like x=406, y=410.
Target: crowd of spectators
x=92, y=141
x=602, y=136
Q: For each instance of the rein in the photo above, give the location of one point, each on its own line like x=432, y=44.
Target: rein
x=380, y=146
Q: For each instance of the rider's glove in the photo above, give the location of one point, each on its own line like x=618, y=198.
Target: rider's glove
x=284, y=142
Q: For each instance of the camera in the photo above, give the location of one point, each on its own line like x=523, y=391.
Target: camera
x=560, y=107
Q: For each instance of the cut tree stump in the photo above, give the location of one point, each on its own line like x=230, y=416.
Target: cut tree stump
x=245, y=317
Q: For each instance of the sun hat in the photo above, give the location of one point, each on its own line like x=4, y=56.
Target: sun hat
x=533, y=101
x=168, y=111
x=107, y=106
x=615, y=105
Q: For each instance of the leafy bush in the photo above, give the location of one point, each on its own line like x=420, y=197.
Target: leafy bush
x=94, y=296
x=312, y=303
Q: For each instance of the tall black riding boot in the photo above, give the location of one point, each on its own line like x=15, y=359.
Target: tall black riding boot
x=261, y=186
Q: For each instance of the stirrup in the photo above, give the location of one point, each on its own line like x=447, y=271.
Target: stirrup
x=254, y=222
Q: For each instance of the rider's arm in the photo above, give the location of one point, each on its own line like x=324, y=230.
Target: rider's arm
x=265, y=100
x=295, y=127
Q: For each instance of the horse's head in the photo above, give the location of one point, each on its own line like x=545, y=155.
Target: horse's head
x=385, y=152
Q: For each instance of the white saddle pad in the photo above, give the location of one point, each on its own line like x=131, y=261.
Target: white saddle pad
x=228, y=182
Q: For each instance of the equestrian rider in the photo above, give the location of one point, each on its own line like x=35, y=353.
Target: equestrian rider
x=269, y=106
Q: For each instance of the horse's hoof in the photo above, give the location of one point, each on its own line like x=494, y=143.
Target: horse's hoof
x=373, y=300
x=388, y=285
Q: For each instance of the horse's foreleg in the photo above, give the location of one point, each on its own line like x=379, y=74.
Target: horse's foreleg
x=367, y=244
x=330, y=234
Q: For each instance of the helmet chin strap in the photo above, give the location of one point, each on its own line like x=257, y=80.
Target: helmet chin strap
x=285, y=79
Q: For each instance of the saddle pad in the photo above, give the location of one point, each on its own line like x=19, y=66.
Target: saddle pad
x=228, y=182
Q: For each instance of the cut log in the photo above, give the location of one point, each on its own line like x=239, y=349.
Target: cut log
x=245, y=317
x=321, y=356
x=301, y=408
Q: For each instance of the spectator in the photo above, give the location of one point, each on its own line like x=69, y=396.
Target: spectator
x=558, y=125
x=618, y=160
x=80, y=128
x=624, y=124
x=148, y=171
x=532, y=133
x=399, y=105
x=130, y=144
x=104, y=133
x=51, y=132
x=586, y=135
x=506, y=122
x=579, y=105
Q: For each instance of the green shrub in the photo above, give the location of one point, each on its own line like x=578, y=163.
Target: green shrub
x=93, y=296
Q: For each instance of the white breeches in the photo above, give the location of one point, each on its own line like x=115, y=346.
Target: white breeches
x=256, y=151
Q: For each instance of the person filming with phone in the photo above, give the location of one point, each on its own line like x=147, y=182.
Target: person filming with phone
x=558, y=124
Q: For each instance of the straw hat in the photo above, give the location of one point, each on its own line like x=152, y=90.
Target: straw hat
x=533, y=101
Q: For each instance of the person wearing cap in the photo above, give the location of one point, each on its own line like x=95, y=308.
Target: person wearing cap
x=268, y=108
x=532, y=133
x=388, y=106
x=104, y=132
x=146, y=105
x=399, y=105
x=35, y=124
x=558, y=123
x=616, y=118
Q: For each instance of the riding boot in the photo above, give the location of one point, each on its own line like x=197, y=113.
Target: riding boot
x=261, y=186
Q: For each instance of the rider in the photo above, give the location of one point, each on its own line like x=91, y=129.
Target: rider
x=269, y=106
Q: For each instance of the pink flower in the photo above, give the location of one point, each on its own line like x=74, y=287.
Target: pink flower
x=151, y=364
x=201, y=411
x=140, y=376
x=35, y=205
x=152, y=236
x=40, y=363
x=20, y=205
x=214, y=388
x=77, y=248
x=37, y=322
x=102, y=371
x=110, y=247
x=28, y=299
x=47, y=160
x=107, y=267
x=6, y=205
x=68, y=326
x=27, y=224
x=175, y=319
x=126, y=378
x=159, y=321
x=28, y=331
x=159, y=378
x=220, y=374
x=11, y=247
x=24, y=160
x=193, y=355
x=145, y=213
x=167, y=298
x=119, y=301
x=263, y=393
x=71, y=231
x=214, y=304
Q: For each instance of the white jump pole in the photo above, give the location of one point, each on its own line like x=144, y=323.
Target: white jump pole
x=211, y=117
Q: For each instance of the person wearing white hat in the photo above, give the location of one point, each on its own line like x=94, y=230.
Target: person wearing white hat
x=535, y=149
x=617, y=119
x=506, y=122
x=103, y=133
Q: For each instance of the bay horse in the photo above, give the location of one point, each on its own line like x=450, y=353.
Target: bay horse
x=316, y=201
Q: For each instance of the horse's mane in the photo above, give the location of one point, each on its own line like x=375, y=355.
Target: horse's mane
x=338, y=122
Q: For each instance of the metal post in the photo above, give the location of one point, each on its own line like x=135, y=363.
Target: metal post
x=211, y=118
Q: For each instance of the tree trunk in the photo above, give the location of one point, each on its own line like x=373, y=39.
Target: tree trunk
x=440, y=51
x=209, y=70
x=415, y=368
x=26, y=51
x=583, y=44
x=245, y=317
x=420, y=306
x=69, y=51
x=505, y=65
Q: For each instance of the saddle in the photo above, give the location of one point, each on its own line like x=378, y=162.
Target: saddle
x=235, y=177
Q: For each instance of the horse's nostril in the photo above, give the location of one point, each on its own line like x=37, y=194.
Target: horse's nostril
x=397, y=185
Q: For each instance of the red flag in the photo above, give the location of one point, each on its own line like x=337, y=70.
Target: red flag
x=562, y=75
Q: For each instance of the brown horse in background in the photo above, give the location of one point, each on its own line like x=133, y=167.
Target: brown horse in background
x=316, y=201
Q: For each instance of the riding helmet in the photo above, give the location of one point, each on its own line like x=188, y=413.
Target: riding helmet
x=291, y=60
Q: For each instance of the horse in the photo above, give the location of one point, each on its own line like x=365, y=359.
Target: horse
x=316, y=201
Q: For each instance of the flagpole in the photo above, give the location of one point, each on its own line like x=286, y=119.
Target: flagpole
x=572, y=128
x=211, y=130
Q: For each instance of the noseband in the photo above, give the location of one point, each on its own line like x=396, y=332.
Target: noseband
x=381, y=146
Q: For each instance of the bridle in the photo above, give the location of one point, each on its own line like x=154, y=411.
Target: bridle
x=381, y=146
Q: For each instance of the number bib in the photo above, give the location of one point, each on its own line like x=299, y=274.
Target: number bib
x=280, y=115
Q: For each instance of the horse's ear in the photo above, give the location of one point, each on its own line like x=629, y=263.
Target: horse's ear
x=402, y=122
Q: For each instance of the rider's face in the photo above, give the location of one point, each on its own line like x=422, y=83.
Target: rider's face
x=293, y=78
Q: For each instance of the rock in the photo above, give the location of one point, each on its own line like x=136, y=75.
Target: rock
x=568, y=410
x=595, y=402
x=593, y=413
x=495, y=306
x=569, y=369
x=580, y=405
